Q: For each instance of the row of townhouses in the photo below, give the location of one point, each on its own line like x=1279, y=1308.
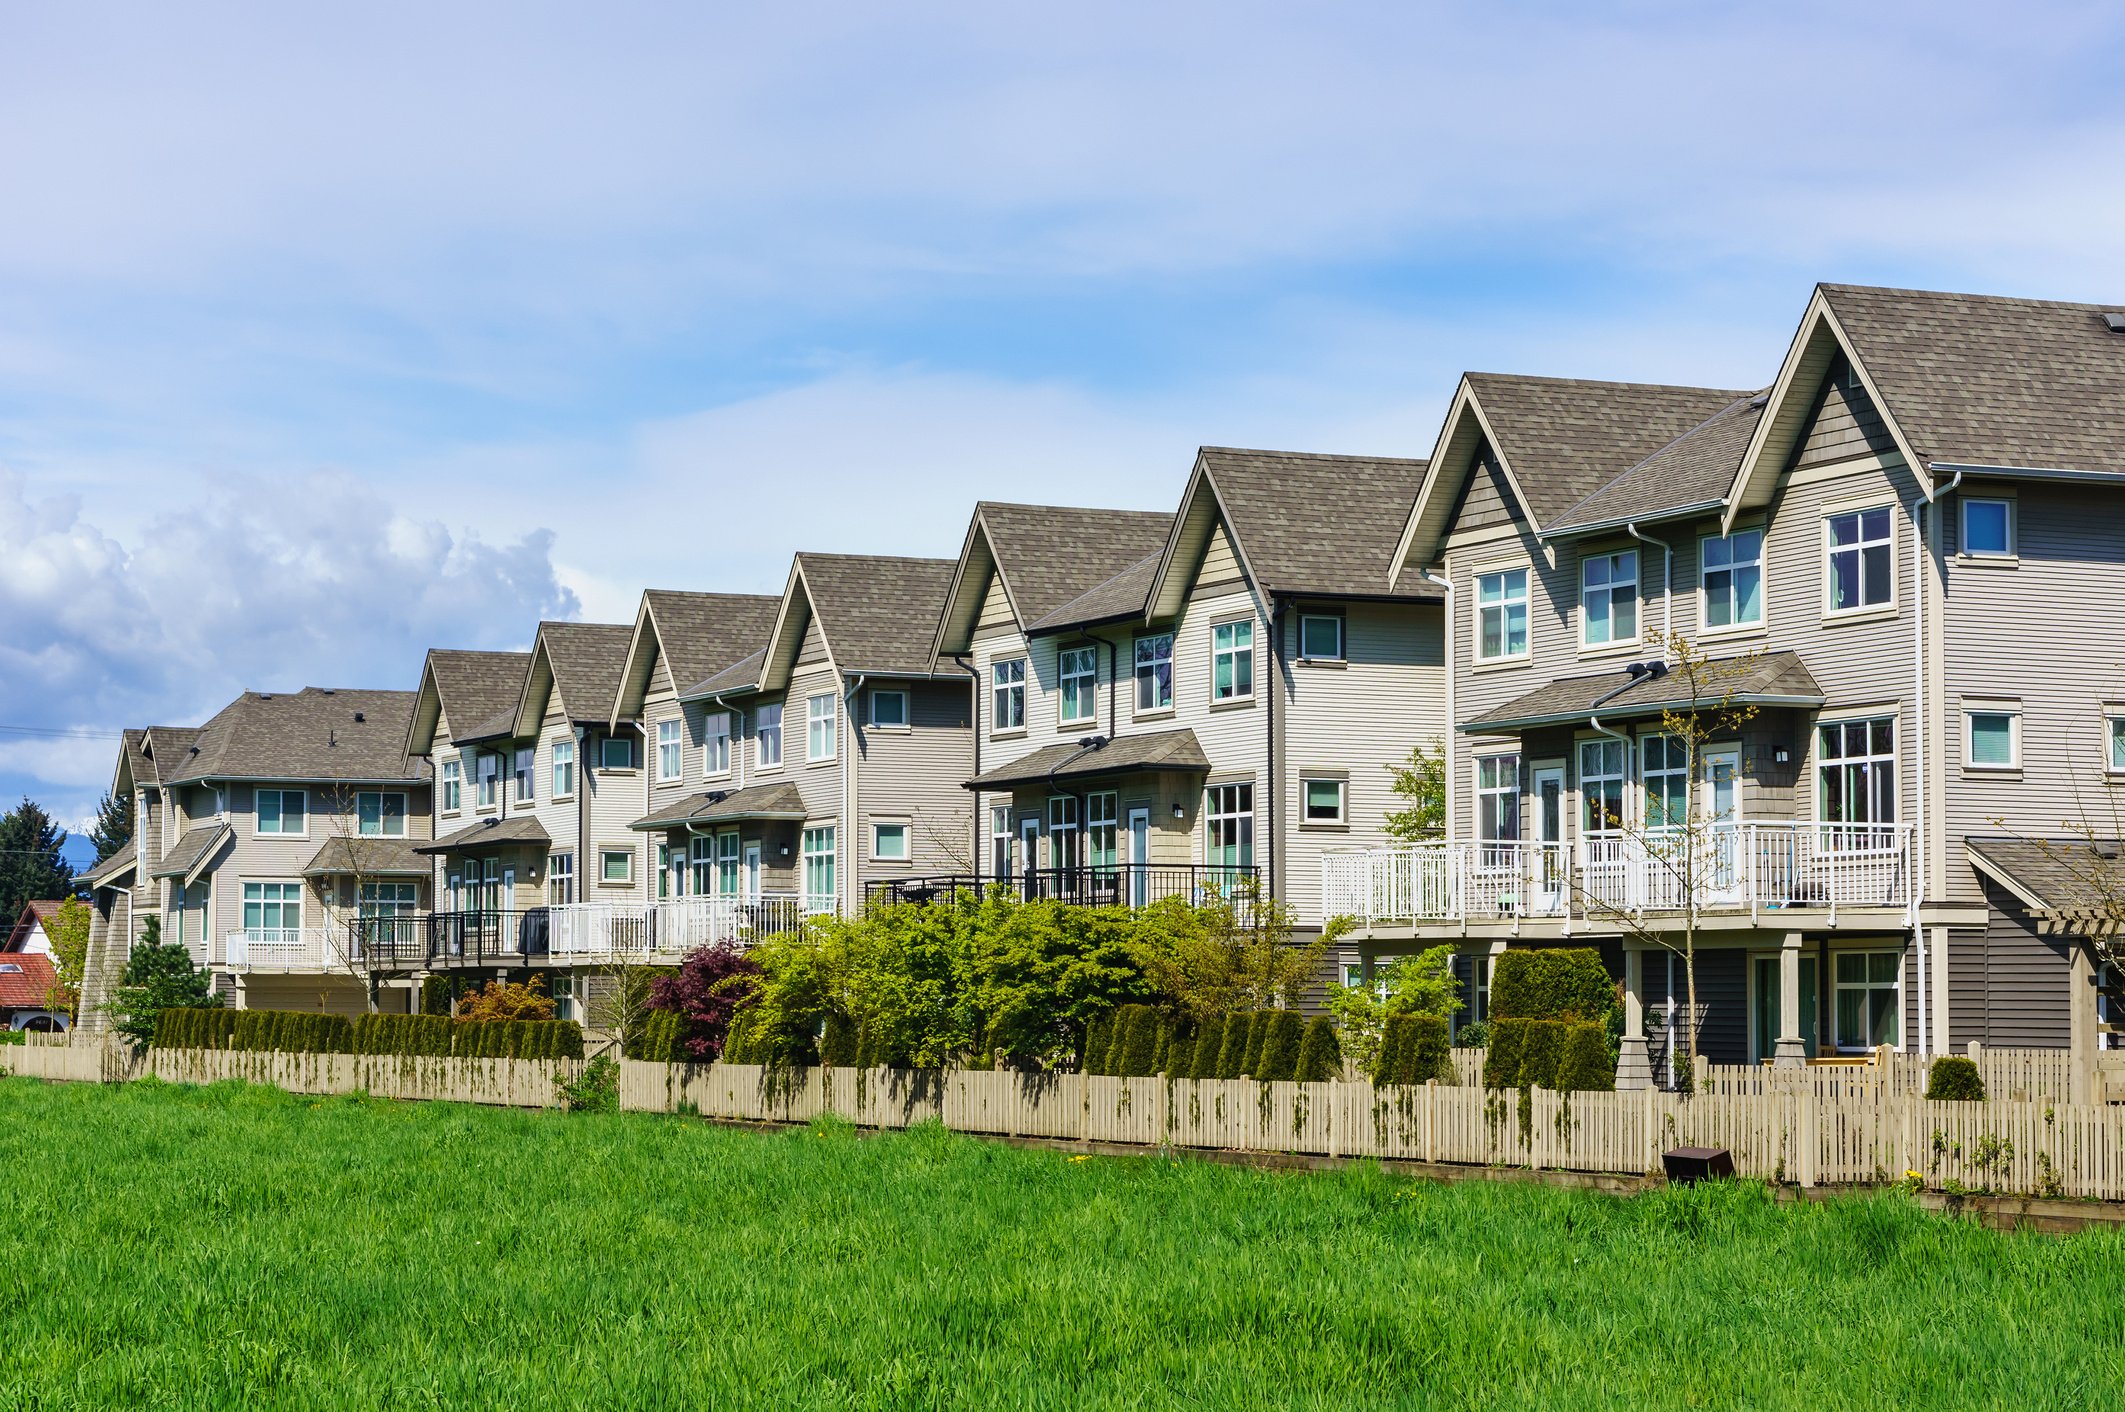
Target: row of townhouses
x=1899, y=556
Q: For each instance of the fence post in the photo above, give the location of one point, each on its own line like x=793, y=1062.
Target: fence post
x=1810, y=1134
x=1431, y=1120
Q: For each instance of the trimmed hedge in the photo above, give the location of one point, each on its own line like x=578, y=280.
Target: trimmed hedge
x=1955, y=1079
x=1180, y=1058
x=1209, y=1048
x=1232, y=1054
x=301, y=1032
x=1283, y=1031
x=656, y=1039
x=1414, y=1049
x=1553, y=983
x=1135, y=1052
x=1567, y=1056
x=837, y=1045
x=1099, y=1037
x=1320, y=1053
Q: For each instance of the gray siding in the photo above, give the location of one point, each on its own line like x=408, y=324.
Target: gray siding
x=2009, y=985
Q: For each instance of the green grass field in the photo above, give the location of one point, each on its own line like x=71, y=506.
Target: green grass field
x=233, y=1246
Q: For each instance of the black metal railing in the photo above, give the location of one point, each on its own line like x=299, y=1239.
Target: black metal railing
x=435, y=939
x=1102, y=885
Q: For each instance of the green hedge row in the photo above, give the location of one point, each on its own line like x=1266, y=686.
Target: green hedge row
x=1552, y=983
x=1414, y=1049
x=298, y=1032
x=1568, y=1056
x=1137, y=1040
x=656, y=1039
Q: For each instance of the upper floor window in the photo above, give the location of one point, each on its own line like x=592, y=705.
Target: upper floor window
x=561, y=879
x=1323, y=800
x=715, y=743
x=1232, y=661
x=1992, y=737
x=1733, y=579
x=1856, y=771
x=1007, y=681
x=527, y=763
x=767, y=736
x=282, y=811
x=1501, y=614
x=616, y=866
x=668, y=751
x=2114, y=735
x=380, y=815
x=819, y=727
x=889, y=841
x=1665, y=771
x=616, y=752
x=1062, y=831
x=453, y=786
x=490, y=777
x=1988, y=528
x=1608, y=598
x=889, y=710
x=1860, y=548
x=1154, y=672
x=1498, y=797
x=1604, y=769
x=1321, y=637
x=820, y=885
x=1229, y=822
x=564, y=770
x=1077, y=671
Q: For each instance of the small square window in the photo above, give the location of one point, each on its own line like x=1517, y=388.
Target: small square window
x=1988, y=529
x=1321, y=637
x=616, y=865
x=1324, y=801
x=616, y=752
x=889, y=710
x=890, y=842
x=1993, y=740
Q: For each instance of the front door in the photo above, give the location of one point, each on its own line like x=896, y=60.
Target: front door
x=1552, y=867
x=1764, y=1043
x=752, y=870
x=1139, y=857
x=1029, y=854
x=1726, y=870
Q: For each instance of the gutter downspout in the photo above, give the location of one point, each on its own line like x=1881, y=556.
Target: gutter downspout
x=1276, y=684
x=1667, y=584
x=848, y=783
x=1085, y=746
x=1921, y=709
x=1446, y=644
x=959, y=660
x=1650, y=669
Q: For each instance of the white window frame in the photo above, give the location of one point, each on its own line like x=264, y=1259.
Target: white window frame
x=819, y=852
x=627, y=746
x=1618, y=587
x=1871, y=757
x=1507, y=600
x=1606, y=748
x=2114, y=740
x=671, y=751
x=820, y=728
x=1498, y=791
x=1732, y=568
x=563, y=756
x=1065, y=842
x=2012, y=711
x=1077, y=676
x=453, y=778
x=1233, y=642
x=1145, y=671
x=1307, y=818
x=526, y=775
x=1838, y=985
x=1001, y=837
x=1102, y=830
x=767, y=726
x=1857, y=549
x=906, y=831
x=280, y=813
x=605, y=877
x=560, y=878
x=1663, y=762
x=1335, y=620
x=380, y=795
x=701, y=864
x=290, y=893
x=1962, y=528
x=715, y=744
x=1229, y=807
x=1007, y=696
x=729, y=880
x=907, y=709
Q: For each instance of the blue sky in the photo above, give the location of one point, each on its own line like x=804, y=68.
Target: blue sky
x=327, y=337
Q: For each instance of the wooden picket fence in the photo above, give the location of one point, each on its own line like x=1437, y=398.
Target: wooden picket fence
x=1842, y=1132
x=2022, y=1075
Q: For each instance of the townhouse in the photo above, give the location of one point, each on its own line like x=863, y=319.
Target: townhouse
x=263, y=840
x=1888, y=556
x=1206, y=701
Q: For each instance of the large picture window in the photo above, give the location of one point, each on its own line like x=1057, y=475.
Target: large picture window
x=1608, y=598
x=1733, y=579
x=1154, y=672
x=1229, y=820
x=282, y=812
x=1501, y=615
x=272, y=911
x=1861, y=542
x=1077, y=671
x=1855, y=771
x=1498, y=797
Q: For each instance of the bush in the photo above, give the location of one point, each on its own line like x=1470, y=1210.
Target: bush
x=158, y=978
x=1473, y=1035
x=1099, y=1034
x=1232, y=1054
x=597, y=1090
x=1553, y=983
x=1136, y=1053
x=1587, y=1065
x=1567, y=1056
x=1501, y=1060
x=706, y=993
x=1180, y=1058
x=1251, y=1054
x=837, y=1041
x=1320, y=1055
x=1955, y=1079
x=1282, y=1033
x=508, y=1000
x=1209, y=1045
x=1414, y=1050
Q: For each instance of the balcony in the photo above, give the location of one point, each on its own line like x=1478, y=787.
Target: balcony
x=1106, y=885
x=297, y=949
x=579, y=933
x=1744, y=868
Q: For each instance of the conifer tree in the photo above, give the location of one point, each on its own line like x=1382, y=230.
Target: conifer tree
x=113, y=826
x=31, y=865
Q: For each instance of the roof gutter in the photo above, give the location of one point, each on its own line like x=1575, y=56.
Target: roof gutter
x=1638, y=672
x=1482, y=726
x=1601, y=526
x=2028, y=472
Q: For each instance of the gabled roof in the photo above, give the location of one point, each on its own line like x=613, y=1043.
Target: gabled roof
x=521, y=828
x=1772, y=679
x=112, y=869
x=878, y=614
x=191, y=854
x=2072, y=883
x=1122, y=754
x=1556, y=441
x=740, y=676
x=138, y=755
x=1971, y=381
x=779, y=800
x=318, y=733
x=1120, y=597
x=1688, y=475
x=694, y=636
x=580, y=663
x=1300, y=523
x=477, y=692
x=26, y=980
x=38, y=913
x=1047, y=557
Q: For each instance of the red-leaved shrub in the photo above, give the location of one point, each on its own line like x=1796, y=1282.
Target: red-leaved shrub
x=704, y=993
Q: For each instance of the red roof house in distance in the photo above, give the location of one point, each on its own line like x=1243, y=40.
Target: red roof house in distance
x=26, y=979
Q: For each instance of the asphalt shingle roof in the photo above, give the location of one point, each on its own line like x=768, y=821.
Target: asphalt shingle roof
x=738, y=676
x=1695, y=469
x=1156, y=750
x=701, y=634
x=2068, y=875
x=479, y=690
x=1986, y=381
x=118, y=863
x=191, y=850
x=314, y=734
x=761, y=801
x=524, y=828
x=1051, y=555
x=1317, y=523
x=1774, y=678
x=879, y=613
x=375, y=857
x=587, y=661
x=1122, y=596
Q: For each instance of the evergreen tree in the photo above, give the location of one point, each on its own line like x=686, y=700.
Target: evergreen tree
x=31, y=867
x=113, y=826
x=159, y=978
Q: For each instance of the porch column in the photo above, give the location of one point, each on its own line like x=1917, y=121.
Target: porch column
x=1792, y=1050
x=1634, y=1067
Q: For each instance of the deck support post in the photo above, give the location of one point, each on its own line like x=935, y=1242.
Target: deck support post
x=1634, y=1066
x=1791, y=1052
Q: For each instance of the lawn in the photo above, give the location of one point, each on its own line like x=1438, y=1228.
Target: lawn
x=235, y=1246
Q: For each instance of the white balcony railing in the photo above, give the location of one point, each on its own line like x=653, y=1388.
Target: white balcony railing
x=1736, y=867
x=589, y=931
x=283, y=949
